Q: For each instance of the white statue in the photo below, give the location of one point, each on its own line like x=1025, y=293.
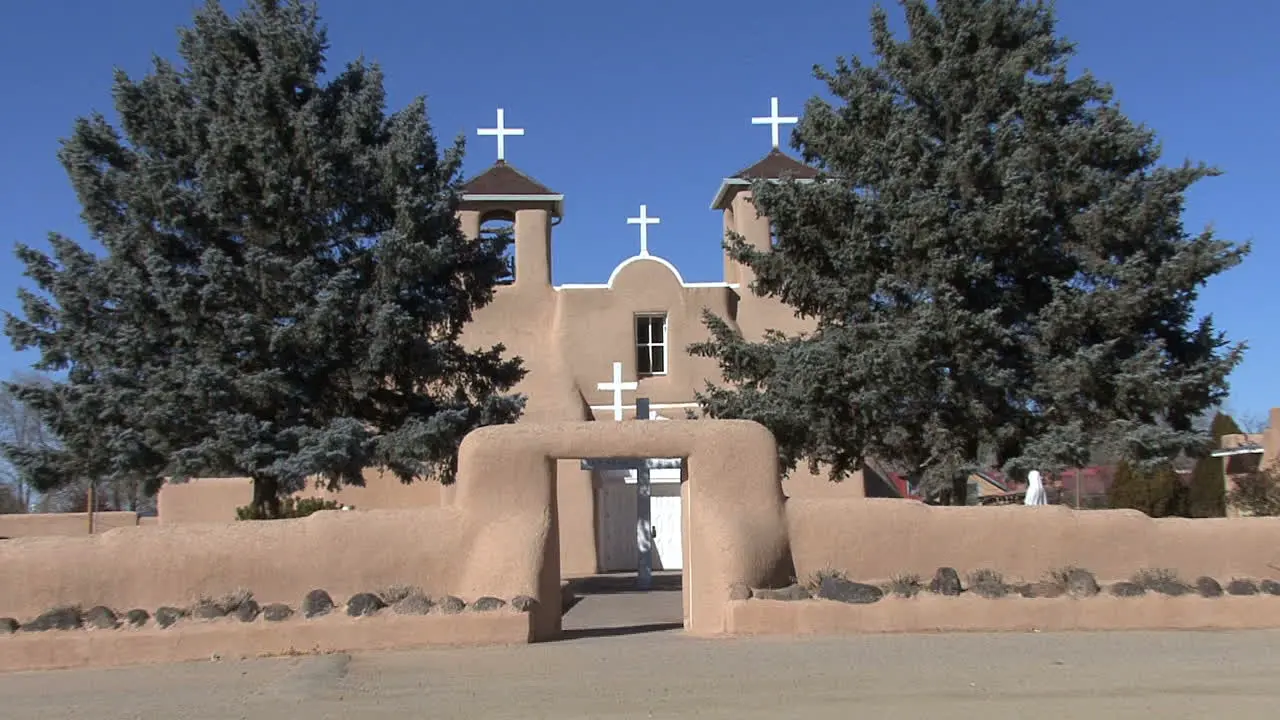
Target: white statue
x=1035, y=490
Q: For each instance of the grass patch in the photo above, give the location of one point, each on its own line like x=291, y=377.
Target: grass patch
x=906, y=585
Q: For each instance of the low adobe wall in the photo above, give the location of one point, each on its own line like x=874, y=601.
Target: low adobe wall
x=203, y=500
x=20, y=525
x=214, y=500
x=875, y=539
x=231, y=638
x=933, y=613
x=342, y=552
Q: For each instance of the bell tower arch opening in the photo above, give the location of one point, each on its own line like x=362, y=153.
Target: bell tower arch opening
x=499, y=226
x=503, y=199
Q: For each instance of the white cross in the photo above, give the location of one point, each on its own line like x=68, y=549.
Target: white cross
x=774, y=120
x=644, y=221
x=502, y=131
x=617, y=386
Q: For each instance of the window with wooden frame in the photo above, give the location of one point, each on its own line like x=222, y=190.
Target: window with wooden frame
x=651, y=344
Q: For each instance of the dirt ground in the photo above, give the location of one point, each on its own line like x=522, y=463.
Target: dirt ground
x=663, y=674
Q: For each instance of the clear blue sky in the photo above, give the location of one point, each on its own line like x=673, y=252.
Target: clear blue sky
x=650, y=102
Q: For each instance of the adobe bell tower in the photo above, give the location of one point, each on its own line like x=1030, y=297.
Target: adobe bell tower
x=504, y=193
x=734, y=200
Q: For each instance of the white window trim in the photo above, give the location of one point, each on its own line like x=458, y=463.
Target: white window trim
x=666, y=338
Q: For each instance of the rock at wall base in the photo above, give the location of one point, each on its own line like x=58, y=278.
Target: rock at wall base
x=414, y=604
x=277, y=612
x=247, y=611
x=847, y=591
x=1081, y=583
x=317, y=603
x=946, y=581
x=488, y=604
x=65, y=618
x=101, y=618
x=1208, y=587
x=364, y=604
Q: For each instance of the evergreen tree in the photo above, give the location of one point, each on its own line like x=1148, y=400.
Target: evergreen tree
x=284, y=281
x=1208, y=481
x=993, y=259
x=1156, y=490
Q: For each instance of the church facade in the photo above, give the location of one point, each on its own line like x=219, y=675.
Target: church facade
x=590, y=350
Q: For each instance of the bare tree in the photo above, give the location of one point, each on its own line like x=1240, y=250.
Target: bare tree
x=20, y=427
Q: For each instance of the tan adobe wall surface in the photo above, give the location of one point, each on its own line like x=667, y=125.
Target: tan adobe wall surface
x=341, y=552
x=231, y=639
x=931, y=613
x=875, y=539
x=206, y=500
x=63, y=524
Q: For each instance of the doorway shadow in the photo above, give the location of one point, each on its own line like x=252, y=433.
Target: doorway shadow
x=619, y=631
x=621, y=583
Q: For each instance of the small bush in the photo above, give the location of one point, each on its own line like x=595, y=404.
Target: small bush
x=1059, y=576
x=232, y=601
x=290, y=507
x=395, y=593
x=987, y=583
x=906, y=586
x=819, y=576
x=1156, y=578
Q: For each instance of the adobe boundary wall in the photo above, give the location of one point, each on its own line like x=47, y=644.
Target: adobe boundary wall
x=874, y=540
x=930, y=613
x=16, y=525
x=229, y=639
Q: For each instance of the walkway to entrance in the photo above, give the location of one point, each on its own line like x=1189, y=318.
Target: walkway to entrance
x=602, y=605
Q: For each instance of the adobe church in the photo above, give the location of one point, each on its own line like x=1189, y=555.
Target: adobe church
x=591, y=350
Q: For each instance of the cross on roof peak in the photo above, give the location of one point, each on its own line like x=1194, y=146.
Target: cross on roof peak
x=644, y=221
x=775, y=121
x=501, y=132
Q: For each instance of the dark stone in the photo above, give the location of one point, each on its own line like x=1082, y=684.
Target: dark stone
x=524, y=603
x=8, y=626
x=102, y=618
x=415, y=604
x=451, y=605
x=739, y=591
x=208, y=611
x=362, y=604
x=848, y=591
x=1208, y=587
x=66, y=618
x=316, y=603
x=1040, y=590
x=137, y=617
x=1172, y=588
x=989, y=588
x=1241, y=586
x=1270, y=587
x=1081, y=583
x=1127, y=589
x=488, y=604
x=248, y=611
x=276, y=612
x=167, y=616
x=790, y=592
x=946, y=581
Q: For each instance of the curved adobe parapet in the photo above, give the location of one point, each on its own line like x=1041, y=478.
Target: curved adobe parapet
x=735, y=525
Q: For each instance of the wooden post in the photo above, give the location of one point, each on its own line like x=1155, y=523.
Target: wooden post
x=644, y=519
